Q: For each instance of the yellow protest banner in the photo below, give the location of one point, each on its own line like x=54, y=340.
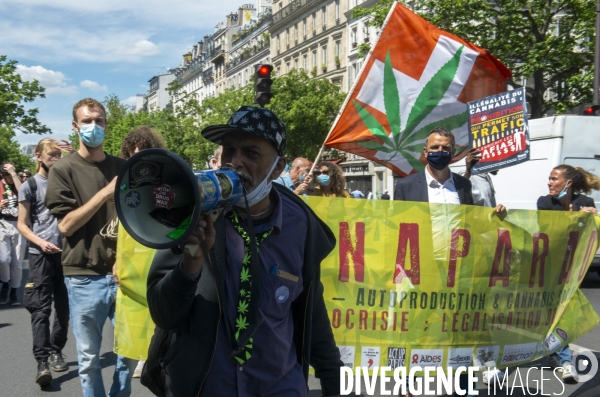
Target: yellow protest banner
x=439, y=285
x=427, y=284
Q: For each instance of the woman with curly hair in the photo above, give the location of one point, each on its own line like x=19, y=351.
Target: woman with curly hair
x=140, y=138
x=330, y=180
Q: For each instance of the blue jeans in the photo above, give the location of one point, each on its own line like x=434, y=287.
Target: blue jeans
x=91, y=302
x=563, y=355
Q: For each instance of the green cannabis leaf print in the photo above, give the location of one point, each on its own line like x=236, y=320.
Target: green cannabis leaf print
x=408, y=142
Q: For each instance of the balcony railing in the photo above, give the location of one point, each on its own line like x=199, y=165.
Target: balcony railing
x=248, y=31
x=245, y=55
x=290, y=9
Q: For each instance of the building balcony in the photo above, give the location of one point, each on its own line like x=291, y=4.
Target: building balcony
x=248, y=53
x=291, y=9
x=247, y=32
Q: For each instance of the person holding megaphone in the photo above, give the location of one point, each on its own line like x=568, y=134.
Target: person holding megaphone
x=244, y=313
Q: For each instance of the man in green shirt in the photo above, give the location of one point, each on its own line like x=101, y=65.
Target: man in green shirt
x=81, y=196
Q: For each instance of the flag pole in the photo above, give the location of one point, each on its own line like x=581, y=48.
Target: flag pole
x=367, y=59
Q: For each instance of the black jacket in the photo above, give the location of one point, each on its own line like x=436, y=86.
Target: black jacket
x=550, y=203
x=193, y=310
x=414, y=188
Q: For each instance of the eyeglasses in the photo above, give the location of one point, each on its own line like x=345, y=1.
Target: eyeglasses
x=317, y=173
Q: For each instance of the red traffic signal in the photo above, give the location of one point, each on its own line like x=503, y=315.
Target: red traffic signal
x=264, y=70
x=589, y=110
x=262, y=84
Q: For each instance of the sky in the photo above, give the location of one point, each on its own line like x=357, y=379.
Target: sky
x=78, y=49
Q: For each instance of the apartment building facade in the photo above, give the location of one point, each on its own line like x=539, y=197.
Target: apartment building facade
x=310, y=35
x=158, y=96
x=249, y=47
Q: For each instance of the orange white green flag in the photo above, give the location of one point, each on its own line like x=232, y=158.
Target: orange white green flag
x=416, y=77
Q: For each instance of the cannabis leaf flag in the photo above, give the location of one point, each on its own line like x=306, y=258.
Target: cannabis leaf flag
x=417, y=77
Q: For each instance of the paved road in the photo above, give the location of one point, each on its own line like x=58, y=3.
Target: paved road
x=18, y=368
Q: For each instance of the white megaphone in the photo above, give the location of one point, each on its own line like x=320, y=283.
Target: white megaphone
x=159, y=199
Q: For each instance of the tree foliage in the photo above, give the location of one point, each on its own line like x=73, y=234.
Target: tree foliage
x=307, y=106
x=548, y=45
x=10, y=150
x=14, y=92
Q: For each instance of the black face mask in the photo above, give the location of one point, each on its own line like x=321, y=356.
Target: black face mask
x=439, y=160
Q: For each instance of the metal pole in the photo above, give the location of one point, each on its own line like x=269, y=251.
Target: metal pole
x=597, y=57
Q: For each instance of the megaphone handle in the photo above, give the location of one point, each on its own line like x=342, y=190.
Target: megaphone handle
x=191, y=249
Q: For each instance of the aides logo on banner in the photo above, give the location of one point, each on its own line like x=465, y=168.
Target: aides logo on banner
x=426, y=357
x=396, y=357
x=461, y=357
x=370, y=357
x=347, y=355
x=517, y=353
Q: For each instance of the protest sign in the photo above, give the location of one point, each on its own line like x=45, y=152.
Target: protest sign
x=429, y=284
x=436, y=284
x=498, y=129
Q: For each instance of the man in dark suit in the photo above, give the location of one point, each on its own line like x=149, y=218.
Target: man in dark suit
x=436, y=184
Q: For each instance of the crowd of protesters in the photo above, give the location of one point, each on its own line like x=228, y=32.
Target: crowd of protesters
x=65, y=214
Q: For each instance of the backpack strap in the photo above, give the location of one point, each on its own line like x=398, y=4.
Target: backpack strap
x=33, y=199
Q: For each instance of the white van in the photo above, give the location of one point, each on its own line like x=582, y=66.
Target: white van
x=573, y=140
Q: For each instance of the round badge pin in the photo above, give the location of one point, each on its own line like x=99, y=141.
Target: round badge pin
x=282, y=294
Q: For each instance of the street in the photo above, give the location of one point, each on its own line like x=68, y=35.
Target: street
x=17, y=377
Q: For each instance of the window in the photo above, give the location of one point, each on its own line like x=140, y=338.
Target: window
x=324, y=55
x=305, y=62
x=314, y=57
x=324, y=15
x=314, y=23
x=287, y=67
x=287, y=37
x=353, y=36
x=337, y=10
x=277, y=43
x=304, y=28
x=338, y=48
x=296, y=63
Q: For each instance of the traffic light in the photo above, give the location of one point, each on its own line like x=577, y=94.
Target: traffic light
x=589, y=109
x=262, y=84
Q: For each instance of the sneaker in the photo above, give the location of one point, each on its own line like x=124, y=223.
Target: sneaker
x=57, y=361
x=568, y=376
x=138, y=369
x=44, y=376
x=14, y=301
x=4, y=289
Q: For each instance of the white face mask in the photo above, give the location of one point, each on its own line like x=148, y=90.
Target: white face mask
x=261, y=191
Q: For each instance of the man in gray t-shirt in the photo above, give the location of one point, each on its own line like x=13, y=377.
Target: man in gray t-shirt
x=44, y=225
x=46, y=280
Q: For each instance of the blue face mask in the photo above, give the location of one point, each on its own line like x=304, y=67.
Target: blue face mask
x=562, y=193
x=323, y=180
x=92, y=135
x=439, y=160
